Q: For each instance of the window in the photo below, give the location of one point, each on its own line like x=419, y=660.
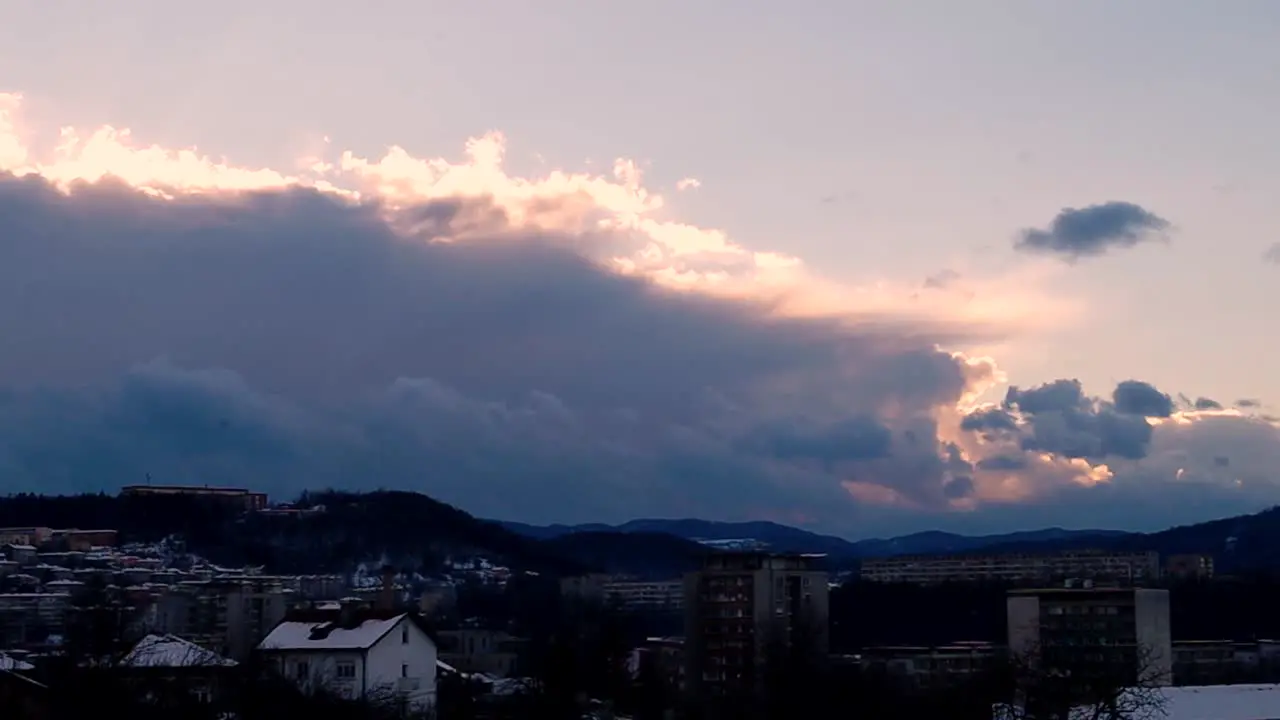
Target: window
x=302, y=669
x=404, y=671
x=404, y=635
x=346, y=671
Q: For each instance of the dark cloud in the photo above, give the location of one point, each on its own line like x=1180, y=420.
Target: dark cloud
x=1134, y=397
x=1093, y=230
x=958, y=487
x=1204, y=403
x=857, y=438
x=1248, y=403
x=1057, y=396
x=291, y=339
x=1058, y=418
x=442, y=348
x=989, y=419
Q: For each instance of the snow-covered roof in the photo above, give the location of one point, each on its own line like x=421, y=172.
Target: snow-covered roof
x=1202, y=702
x=12, y=663
x=328, y=635
x=169, y=651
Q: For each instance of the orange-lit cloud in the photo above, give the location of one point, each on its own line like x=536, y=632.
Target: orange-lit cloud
x=674, y=253
x=528, y=337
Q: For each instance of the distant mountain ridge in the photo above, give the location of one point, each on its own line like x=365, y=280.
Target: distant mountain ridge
x=785, y=538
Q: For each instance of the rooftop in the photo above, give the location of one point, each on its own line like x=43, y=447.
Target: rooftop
x=169, y=651
x=329, y=634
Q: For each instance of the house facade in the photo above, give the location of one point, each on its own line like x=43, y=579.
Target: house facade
x=356, y=654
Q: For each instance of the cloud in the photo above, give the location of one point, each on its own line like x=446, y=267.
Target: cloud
x=1055, y=446
x=1093, y=230
x=689, y=184
x=1134, y=397
x=541, y=348
x=555, y=348
x=1272, y=255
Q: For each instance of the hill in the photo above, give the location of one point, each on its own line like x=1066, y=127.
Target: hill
x=790, y=539
x=942, y=543
x=408, y=529
x=654, y=556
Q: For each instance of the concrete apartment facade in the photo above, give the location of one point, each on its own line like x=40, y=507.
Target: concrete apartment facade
x=1129, y=568
x=741, y=606
x=1102, y=628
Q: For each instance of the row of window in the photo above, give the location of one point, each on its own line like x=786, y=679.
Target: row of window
x=344, y=670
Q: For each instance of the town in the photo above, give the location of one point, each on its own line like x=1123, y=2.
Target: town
x=456, y=641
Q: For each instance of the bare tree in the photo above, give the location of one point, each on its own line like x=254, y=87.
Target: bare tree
x=1122, y=683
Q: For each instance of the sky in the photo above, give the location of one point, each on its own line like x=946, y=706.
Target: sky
x=863, y=267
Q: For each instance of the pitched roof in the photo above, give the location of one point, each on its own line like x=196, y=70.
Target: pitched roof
x=8, y=662
x=170, y=651
x=330, y=633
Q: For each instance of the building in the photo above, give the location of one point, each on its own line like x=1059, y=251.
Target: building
x=241, y=498
x=659, y=659
x=1222, y=662
x=741, y=607
x=358, y=653
x=1087, y=629
x=84, y=540
x=184, y=669
x=627, y=593
x=27, y=619
x=21, y=554
x=227, y=615
x=477, y=650
x=1126, y=568
x=929, y=667
x=645, y=596
x=1197, y=566
x=33, y=536
x=584, y=588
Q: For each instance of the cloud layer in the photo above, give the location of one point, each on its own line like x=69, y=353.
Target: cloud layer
x=544, y=349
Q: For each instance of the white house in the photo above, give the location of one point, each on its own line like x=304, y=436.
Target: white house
x=356, y=653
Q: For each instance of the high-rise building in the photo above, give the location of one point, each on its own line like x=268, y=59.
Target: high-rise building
x=1111, y=630
x=742, y=606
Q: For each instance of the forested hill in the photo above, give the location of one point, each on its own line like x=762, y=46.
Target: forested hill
x=406, y=528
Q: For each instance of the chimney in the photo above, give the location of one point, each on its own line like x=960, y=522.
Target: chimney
x=348, y=609
x=387, y=595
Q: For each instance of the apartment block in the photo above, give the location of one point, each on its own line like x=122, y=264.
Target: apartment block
x=479, y=650
x=743, y=605
x=1125, y=568
x=1197, y=566
x=644, y=596
x=29, y=618
x=930, y=667
x=1086, y=629
x=33, y=536
x=241, y=498
x=229, y=616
